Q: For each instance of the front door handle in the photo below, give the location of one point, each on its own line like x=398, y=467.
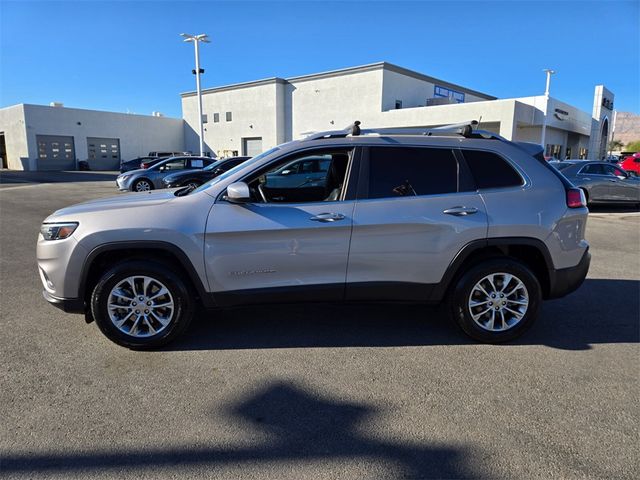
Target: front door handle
x=460, y=211
x=327, y=217
x=612, y=180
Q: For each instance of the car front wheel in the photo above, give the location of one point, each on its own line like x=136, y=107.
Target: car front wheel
x=141, y=305
x=496, y=301
x=142, y=185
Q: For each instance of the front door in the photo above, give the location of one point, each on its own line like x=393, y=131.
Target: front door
x=287, y=244
x=621, y=188
x=418, y=212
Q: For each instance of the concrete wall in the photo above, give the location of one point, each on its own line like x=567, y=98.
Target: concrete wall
x=333, y=103
x=413, y=92
x=12, y=125
x=138, y=134
x=257, y=111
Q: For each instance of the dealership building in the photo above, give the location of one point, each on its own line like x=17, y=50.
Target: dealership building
x=247, y=118
x=38, y=137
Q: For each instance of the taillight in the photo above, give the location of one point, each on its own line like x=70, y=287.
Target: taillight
x=576, y=198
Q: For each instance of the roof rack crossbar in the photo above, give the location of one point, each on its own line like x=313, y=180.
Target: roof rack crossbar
x=465, y=129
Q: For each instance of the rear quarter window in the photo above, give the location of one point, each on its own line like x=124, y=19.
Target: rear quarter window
x=490, y=170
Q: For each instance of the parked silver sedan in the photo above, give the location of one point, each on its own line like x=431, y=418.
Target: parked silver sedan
x=150, y=178
x=601, y=182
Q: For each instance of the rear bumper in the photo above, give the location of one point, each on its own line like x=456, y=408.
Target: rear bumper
x=567, y=280
x=68, y=305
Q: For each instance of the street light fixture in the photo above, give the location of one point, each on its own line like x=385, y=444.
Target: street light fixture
x=549, y=72
x=196, y=39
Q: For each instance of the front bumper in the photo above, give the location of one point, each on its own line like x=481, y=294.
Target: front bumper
x=567, y=280
x=68, y=305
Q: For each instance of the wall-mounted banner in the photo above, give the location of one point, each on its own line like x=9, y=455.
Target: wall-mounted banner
x=443, y=92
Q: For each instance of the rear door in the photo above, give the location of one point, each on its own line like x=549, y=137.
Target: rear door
x=417, y=207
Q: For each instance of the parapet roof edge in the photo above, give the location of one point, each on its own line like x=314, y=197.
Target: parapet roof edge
x=344, y=71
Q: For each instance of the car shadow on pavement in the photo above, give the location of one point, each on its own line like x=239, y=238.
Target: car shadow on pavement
x=8, y=177
x=600, y=311
x=614, y=208
x=300, y=427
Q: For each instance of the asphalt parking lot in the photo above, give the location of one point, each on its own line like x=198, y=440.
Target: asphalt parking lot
x=322, y=391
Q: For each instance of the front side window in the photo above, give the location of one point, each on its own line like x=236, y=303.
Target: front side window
x=614, y=171
x=490, y=170
x=311, y=177
x=411, y=171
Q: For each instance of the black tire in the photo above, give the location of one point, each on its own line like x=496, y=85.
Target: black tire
x=139, y=185
x=178, y=293
x=462, y=291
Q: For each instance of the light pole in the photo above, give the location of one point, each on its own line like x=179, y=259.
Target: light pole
x=549, y=72
x=196, y=39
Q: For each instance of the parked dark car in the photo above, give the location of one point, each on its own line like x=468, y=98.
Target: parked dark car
x=196, y=178
x=601, y=182
x=135, y=163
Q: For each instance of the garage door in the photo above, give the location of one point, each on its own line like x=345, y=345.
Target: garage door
x=55, y=152
x=103, y=153
x=252, y=146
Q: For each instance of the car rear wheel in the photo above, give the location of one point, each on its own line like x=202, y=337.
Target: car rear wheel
x=141, y=305
x=142, y=185
x=495, y=301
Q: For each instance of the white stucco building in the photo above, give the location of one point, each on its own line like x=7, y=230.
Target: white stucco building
x=246, y=118
x=37, y=137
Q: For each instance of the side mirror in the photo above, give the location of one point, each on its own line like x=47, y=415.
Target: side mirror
x=285, y=172
x=162, y=168
x=238, y=192
x=218, y=171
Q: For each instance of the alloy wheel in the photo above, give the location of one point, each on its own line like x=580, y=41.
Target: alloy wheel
x=498, y=302
x=140, y=306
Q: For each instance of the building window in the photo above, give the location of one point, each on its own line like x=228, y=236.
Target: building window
x=229, y=117
x=583, y=153
x=398, y=104
x=216, y=117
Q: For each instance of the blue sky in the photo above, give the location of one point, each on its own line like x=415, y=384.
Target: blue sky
x=127, y=55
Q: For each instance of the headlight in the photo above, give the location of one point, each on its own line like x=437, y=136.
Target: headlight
x=58, y=231
x=124, y=178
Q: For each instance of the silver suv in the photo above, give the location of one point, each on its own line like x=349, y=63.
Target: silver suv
x=451, y=215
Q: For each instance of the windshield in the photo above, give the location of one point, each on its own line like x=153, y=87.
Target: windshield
x=232, y=171
x=213, y=166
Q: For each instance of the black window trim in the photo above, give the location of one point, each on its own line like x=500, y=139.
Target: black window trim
x=523, y=176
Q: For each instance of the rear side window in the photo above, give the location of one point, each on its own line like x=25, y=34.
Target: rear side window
x=407, y=171
x=491, y=170
x=593, y=169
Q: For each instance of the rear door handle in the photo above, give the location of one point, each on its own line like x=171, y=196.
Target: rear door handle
x=460, y=211
x=327, y=217
x=614, y=181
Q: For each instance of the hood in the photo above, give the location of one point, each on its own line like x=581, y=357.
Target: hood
x=137, y=170
x=182, y=173
x=127, y=200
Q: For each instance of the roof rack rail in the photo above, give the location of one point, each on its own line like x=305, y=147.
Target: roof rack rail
x=465, y=129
